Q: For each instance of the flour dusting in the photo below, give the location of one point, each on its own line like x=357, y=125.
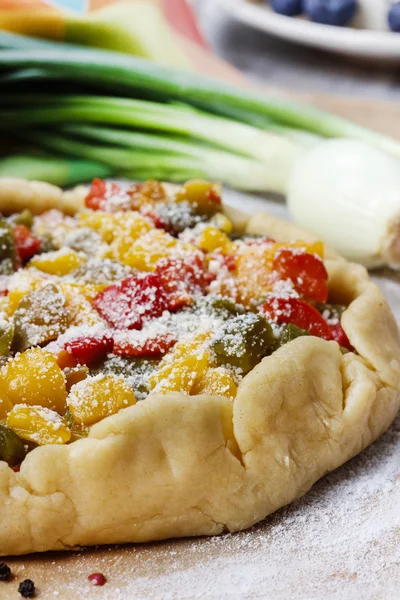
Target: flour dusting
x=340, y=541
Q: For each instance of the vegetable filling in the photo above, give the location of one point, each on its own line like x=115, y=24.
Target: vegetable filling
x=144, y=291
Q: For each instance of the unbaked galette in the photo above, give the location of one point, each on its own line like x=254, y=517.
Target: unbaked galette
x=171, y=368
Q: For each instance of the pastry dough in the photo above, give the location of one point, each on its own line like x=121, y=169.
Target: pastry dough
x=175, y=466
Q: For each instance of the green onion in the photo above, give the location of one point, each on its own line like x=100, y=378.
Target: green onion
x=202, y=130
x=114, y=71
x=59, y=171
x=170, y=124
x=178, y=119
x=165, y=159
x=109, y=114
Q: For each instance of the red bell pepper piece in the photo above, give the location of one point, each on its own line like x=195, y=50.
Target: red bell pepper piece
x=306, y=271
x=152, y=347
x=338, y=334
x=298, y=312
x=27, y=245
x=144, y=195
x=102, y=192
x=153, y=190
x=214, y=196
x=225, y=260
x=88, y=351
x=155, y=219
x=182, y=278
x=259, y=241
x=127, y=304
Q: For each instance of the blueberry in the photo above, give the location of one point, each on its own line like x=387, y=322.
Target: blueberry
x=330, y=12
x=290, y=8
x=394, y=17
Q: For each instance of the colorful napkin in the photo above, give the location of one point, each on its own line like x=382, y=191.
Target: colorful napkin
x=161, y=30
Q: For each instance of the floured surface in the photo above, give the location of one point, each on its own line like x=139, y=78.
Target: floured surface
x=339, y=541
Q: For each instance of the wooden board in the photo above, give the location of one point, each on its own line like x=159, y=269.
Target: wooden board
x=339, y=541
x=381, y=115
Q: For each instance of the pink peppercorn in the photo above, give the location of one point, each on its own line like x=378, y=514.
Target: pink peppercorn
x=97, y=579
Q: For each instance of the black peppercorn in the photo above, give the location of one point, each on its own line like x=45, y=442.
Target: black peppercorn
x=5, y=572
x=27, y=588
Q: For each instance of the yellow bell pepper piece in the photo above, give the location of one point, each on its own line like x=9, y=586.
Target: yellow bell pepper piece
x=145, y=252
x=78, y=430
x=34, y=378
x=180, y=375
x=78, y=301
x=3, y=305
x=253, y=268
x=204, y=195
x=104, y=223
x=309, y=247
x=129, y=230
x=22, y=283
x=5, y=403
x=38, y=424
x=221, y=222
x=60, y=262
x=213, y=239
x=129, y=224
x=95, y=398
x=189, y=347
x=254, y=265
x=88, y=290
x=216, y=382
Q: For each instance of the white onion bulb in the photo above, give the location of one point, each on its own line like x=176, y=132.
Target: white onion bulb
x=348, y=194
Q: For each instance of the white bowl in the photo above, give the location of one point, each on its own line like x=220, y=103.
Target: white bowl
x=375, y=43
